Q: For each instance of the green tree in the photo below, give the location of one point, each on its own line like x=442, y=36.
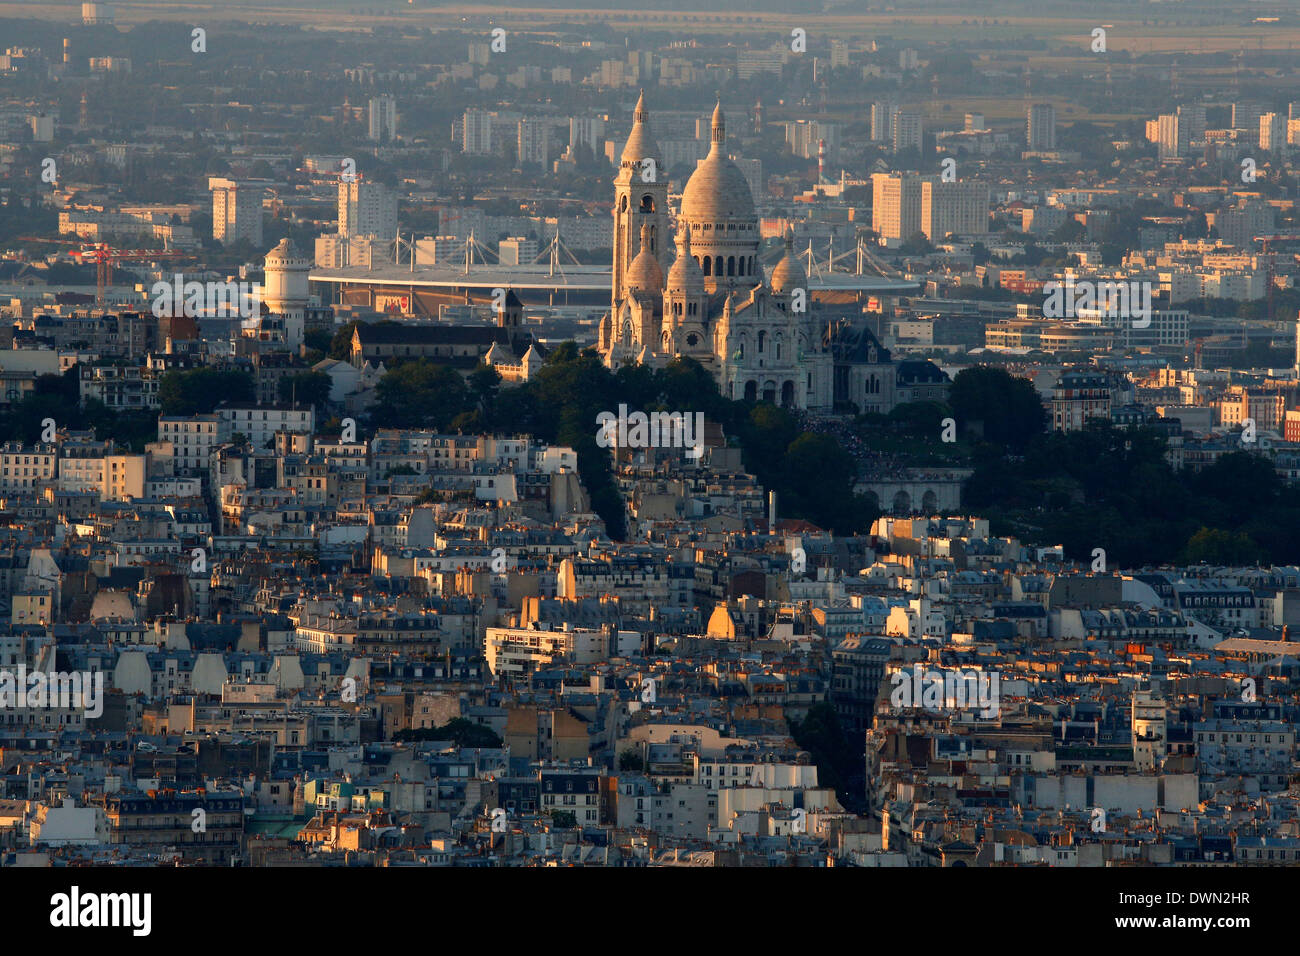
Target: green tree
x=1069, y=231
x=818, y=484
x=306, y=388
x=199, y=391
x=484, y=385
x=1216, y=546
x=1005, y=407
x=686, y=385
x=837, y=762
x=922, y=419
x=319, y=340
x=564, y=819
x=458, y=730
x=765, y=434
x=629, y=760
x=916, y=245
x=419, y=394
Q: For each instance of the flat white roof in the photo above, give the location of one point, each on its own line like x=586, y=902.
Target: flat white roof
x=592, y=278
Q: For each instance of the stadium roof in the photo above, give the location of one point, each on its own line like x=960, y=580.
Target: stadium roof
x=541, y=276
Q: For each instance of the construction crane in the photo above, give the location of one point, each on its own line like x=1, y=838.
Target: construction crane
x=106, y=258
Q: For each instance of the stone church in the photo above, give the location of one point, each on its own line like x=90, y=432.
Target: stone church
x=762, y=337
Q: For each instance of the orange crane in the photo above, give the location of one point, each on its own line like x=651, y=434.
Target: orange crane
x=106, y=258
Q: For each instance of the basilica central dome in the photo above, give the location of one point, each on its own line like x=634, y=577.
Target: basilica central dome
x=718, y=191
x=718, y=209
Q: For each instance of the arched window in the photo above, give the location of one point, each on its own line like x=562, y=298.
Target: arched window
x=731, y=265
x=717, y=265
x=708, y=265
x=622, y=204
x=762, y=337
x=647, y=203
x=740, y=266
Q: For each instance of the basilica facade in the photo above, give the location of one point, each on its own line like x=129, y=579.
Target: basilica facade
x=760, y=336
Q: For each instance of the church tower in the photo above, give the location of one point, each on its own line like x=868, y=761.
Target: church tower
x=642, y=310
x=640, y=199
x=510, y=314
x=686, y=305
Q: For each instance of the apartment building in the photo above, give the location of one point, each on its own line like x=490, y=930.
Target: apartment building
x=367, y=209
x=25, y=468
x=959, y=208
x=896, y=205
x=1079, y=397
x=164, y=821
x=112, y=475
x=236, y=211
x=192, y=439
x=1040, y=128
x=260, y=423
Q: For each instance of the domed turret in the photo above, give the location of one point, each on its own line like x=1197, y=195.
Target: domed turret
x=684, y=277
x=788, y=273
x=645, y=274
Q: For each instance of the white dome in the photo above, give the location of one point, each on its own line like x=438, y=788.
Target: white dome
x=286, y=255
x=645, y=274
x=717, y=191
x=684, y=276
x=788, y=273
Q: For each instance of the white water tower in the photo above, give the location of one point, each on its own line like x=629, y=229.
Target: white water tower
x=285, y=292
